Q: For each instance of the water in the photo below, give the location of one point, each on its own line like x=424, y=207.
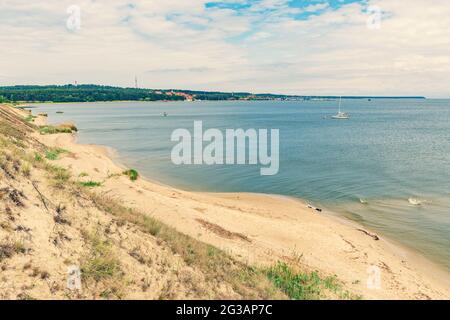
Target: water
x=388, y=167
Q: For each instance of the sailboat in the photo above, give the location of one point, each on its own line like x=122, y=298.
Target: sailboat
x=341, y=115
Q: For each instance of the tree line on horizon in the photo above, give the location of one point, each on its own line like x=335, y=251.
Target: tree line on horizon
x=80, y=93
x=92, y=93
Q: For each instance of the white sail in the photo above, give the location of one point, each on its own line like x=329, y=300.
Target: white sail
x=341, y=115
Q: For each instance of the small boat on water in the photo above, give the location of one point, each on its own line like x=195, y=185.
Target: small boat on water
x=341, y=115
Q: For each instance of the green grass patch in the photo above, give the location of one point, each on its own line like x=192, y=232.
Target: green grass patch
x=30, y=118
x=90, y=184
x=132, y=174
x=299, y=285
x=54, y=130
x=37, y=157
x=53, y=154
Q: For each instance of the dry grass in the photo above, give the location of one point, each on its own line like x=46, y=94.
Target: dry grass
x=100, y=263
x=59, y=177
x=101, y=269
x=10, y=248
x=216, y=265
x=26, y=170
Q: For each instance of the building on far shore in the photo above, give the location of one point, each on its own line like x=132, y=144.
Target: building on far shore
x=186, y=96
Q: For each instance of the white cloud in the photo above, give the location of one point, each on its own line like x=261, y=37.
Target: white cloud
x=260, y=49
x=316, y=7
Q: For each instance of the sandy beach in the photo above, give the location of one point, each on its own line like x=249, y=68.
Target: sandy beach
x=263, y=229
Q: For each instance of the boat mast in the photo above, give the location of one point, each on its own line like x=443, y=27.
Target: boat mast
x=340, y=100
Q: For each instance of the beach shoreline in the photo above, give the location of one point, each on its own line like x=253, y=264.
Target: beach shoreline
x=261, y=229
x=424, y=262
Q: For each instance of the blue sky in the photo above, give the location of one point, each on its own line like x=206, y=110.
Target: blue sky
x=365, y=47
x=306, y=8
x=244, y=5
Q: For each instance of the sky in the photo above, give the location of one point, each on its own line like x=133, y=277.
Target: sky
x=317, y=47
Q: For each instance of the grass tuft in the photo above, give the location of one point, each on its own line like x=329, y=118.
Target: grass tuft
x=101, y=263
x=26, y=170
x=58, y=175
x=37, y=157
x=9, y=249
x=53, y=154
x=90, y=184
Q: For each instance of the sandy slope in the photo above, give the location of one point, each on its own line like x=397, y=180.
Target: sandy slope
x=150, y=270
x=262, y=229
x=45, y=229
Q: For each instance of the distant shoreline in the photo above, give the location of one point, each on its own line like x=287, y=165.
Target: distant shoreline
x=22, y=104
x=96, y=93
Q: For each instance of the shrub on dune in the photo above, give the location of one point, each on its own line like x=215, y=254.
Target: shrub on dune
x=132, y=174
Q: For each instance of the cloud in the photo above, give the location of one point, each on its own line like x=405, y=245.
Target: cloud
x=299, y=47
x=316, y=7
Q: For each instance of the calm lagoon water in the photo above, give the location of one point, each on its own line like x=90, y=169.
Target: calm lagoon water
x=371, y=168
